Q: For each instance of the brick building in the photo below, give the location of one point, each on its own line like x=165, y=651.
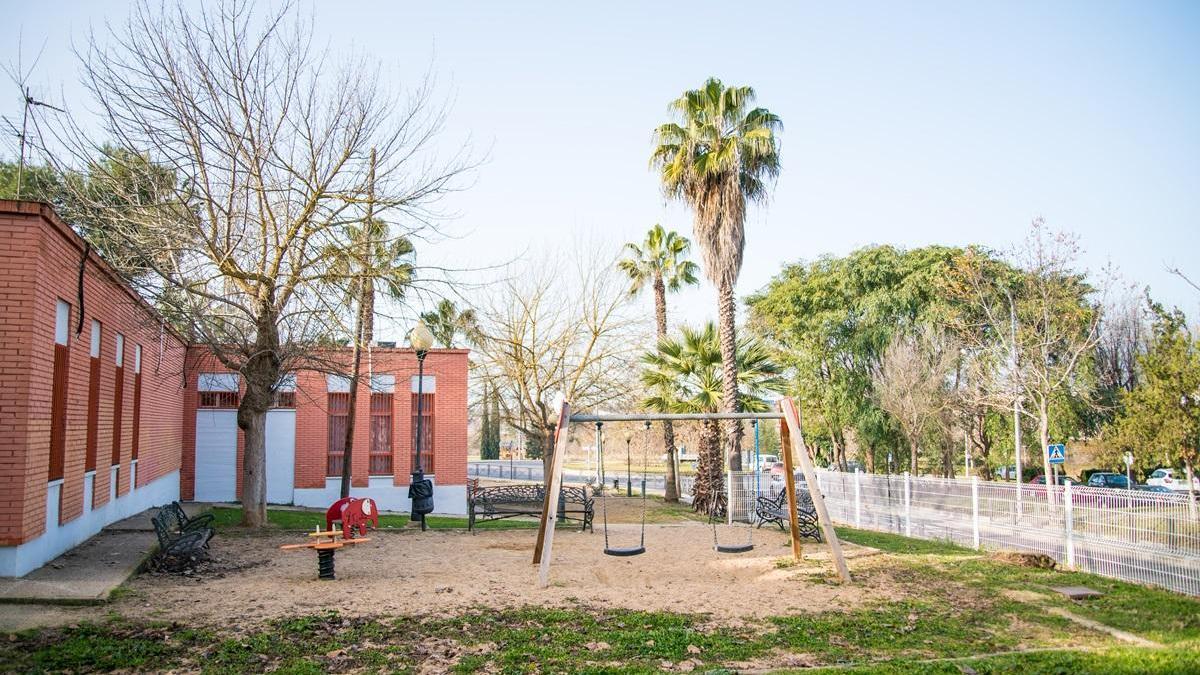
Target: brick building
x=306, y=432
x=106, y=411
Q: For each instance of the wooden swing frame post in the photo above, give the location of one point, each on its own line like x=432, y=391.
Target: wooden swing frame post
x=793, y=446
x=545, y=539
x=791, y=426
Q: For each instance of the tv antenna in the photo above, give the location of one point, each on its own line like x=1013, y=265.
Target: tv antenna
x=29, y=103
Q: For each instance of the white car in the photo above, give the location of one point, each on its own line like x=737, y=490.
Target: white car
x=1171, y=480
x=765, y=462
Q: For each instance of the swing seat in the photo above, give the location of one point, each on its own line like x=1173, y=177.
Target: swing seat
x=625, y=551
x=743, y=548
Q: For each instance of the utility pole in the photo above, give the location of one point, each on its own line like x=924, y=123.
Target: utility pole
x=1012, y=318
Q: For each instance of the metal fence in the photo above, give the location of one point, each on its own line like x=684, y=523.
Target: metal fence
x=1143, y=537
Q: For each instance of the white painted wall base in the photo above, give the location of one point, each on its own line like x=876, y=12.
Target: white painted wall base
x=17, y=561
x=447, y=499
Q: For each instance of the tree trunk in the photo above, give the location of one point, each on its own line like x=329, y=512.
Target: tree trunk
x=727, y=309
x=708, y=492
x=1188, y=473
x=1044, y=437
x=912, y=456
x=261, y=372
x=671, y=491
x=254, y=464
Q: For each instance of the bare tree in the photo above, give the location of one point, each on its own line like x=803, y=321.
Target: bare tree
x=560, y=326
x=269, y=140
x=912, y=383
x=1032, y=330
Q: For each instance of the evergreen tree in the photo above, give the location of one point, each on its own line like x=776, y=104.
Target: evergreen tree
x=485, y=432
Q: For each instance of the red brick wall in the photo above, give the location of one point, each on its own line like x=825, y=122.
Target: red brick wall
x=450, y=413
x=39, y=264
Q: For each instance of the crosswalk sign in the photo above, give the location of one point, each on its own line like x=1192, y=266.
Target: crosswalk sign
x=1057, y=453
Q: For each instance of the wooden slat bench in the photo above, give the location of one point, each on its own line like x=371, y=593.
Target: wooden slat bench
x=774, y=510
x=508, y=501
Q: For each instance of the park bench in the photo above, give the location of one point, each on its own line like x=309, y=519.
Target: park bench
x=508, y=501
x=182, y=522
x=173, y=543
x=774, y=510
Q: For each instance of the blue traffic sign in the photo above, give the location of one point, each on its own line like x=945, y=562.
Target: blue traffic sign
x=1057, y=453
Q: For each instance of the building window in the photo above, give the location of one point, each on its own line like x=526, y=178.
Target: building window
x=382, y=388
x=58, y=394
x=285, y=393
x=137, y=399
x=338, y=407
x=218, y=390
x=118, y=399
x=93, y=402
x=427, y=423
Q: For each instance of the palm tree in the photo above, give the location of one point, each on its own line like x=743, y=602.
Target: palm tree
x=446, y=321
x=661, y=260
x=685, y=374
x=717, y=156
x=368, y=261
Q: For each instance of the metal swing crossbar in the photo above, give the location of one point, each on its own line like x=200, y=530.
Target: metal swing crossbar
x=791, y=436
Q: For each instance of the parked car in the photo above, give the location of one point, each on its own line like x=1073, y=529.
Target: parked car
x=1170, y=479
x=765, y=462
x=1040, y=479
x=1109, y=480
x=1154, y=488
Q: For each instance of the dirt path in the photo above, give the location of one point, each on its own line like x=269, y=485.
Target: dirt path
x=449, y=572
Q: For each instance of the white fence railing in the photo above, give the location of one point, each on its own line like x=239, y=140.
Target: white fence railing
x=1143, y=537
x=1138, y=536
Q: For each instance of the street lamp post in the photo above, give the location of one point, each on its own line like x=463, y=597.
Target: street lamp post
x=628, y=470
x=420, y=488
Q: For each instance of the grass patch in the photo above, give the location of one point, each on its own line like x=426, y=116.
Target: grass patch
x=893, y=637
x=894, y=543
x=951, y=605
x=1116, y=661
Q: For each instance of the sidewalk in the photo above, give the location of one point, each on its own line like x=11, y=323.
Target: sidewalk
x=88, y=573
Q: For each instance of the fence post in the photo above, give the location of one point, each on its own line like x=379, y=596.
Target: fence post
x=1068, y=504
x=728, y=497
x=907, y=505
x=975, y=510
x=857, y=497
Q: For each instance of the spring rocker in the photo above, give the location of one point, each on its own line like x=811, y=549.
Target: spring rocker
x=354, y=514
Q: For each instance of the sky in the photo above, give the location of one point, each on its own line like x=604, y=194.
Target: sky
x=904, y=123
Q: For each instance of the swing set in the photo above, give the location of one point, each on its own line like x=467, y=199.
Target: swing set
x=791, y=440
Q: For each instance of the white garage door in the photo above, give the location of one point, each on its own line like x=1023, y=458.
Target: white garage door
x=281, y=455
x=216, y=455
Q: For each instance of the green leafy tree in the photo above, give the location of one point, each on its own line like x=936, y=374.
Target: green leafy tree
x=718, y=155
x=496, y=422
x=661, y=262
x=1032, y=330
x=38, y=183
x=830, y=321
x=1162, y=413
x=684, y=376
x=447, y=322
x=366, y=262
x=485, y=429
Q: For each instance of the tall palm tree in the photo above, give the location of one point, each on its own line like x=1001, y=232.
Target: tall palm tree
x=446, y=322
x=684, y=373
x=662, y=261
x=368, y=261
x=717, y=156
